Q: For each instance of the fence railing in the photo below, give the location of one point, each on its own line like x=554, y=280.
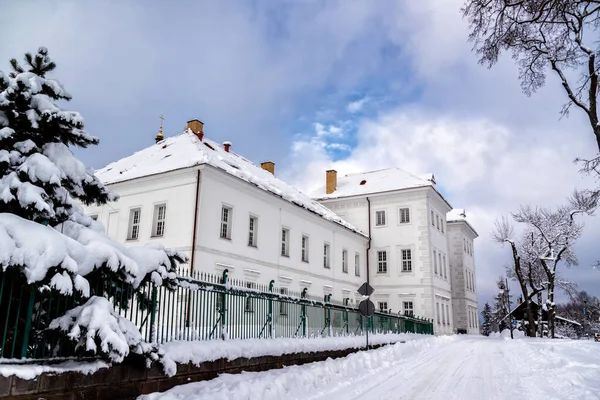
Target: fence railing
x=203, y=307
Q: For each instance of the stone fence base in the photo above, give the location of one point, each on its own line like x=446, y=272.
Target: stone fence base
x=126, y=382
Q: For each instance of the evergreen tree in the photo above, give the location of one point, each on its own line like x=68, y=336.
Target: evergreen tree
x=46, y=241
x=486, y=326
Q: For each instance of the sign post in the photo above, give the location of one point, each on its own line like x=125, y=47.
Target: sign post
x=366, y=307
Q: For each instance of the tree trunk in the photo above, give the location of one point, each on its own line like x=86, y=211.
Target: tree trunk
x=540, y=319
x=530, y=319
x=551, y=309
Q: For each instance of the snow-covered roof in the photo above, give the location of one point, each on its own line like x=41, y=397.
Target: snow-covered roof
x=383, y=180
x=456, y=214
x=185, y=150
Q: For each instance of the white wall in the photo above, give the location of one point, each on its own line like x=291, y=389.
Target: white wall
x=259, y=264
x=464, y=286
x=263, y=263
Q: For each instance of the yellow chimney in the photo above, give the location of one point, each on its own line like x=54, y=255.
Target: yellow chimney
x=330, y=181
x=268, y=166
x=197, y=127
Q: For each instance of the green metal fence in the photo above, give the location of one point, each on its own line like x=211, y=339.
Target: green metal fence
x=203, y=307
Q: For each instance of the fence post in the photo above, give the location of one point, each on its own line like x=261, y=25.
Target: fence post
x=153, y=335
x=28, y=318
x=270, y=316
x=328, y=314
x=346, y=322
x=303, y=312
x=223, y=310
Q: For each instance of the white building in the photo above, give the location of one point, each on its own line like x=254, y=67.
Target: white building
x=195, y=195
x=414, y=254
x=192, y=194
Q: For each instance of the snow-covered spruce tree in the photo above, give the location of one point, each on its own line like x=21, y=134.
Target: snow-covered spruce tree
x=46, y=241
x=486, y=314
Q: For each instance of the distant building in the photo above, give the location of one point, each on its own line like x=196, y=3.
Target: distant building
x=417, y=261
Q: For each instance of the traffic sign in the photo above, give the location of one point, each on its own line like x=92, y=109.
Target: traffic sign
x=366, y=308
x=366, y=289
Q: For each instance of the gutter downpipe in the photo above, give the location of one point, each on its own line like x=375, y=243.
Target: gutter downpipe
x=193, y=250
x=195, y=222
x=368, y=251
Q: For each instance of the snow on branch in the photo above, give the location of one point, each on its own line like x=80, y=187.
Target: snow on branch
x=96, y=328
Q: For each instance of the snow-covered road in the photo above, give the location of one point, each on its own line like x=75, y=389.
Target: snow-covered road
x=453, y=367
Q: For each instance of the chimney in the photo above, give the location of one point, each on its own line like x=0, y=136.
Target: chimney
x=330, y=181
x=226, y=146
x=268, y=166
x=196, y=126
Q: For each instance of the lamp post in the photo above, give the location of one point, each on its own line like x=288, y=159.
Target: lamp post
x=584, y=316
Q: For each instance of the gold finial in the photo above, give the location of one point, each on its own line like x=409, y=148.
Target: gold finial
x=159, y=135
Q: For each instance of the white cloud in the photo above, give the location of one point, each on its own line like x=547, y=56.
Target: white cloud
x=355, y=106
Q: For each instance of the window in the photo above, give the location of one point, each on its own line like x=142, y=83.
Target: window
x=345, y=261
x=447, y=314
x=134, y=224
x=440, y=264
x=382, y=262
x=432, y=219
x=442, y=224
x=357, y=264
x=326, y=257
x=404, y=214
x=437, y=221
x=406, y=260
x=464, y=244
x=435, y=266
x=304, y=248
x=444, y=265
x=158, y=226
x=94, y=217
x=283, y=309
x=285, y=242
x=383, y=306
x=443, y=316
x=437, y=308
x=226, y=214
x=380, y=218
x=249, y=303
x=408, y=307
x=470, y=316
x=252, y=231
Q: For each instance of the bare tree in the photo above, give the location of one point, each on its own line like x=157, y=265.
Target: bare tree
x=547, y=242
x=559, y=35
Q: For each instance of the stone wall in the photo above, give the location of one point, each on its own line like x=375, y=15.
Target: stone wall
x=124, y=382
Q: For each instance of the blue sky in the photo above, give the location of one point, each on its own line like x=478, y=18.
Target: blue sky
x=313, y=85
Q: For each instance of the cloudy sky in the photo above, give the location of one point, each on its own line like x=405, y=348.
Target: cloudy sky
x=312, y=85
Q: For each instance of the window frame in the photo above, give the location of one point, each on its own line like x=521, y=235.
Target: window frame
x=134, y=226
x=382, y=262
x=382, y=309
x=305, y=242
x=435, y=266
x=433, y=218
x=356, y=264
x=383, y=218
x=156, y=220
x=283, y=306
x=411, y=309
x=406, y=262
x=407, y=215
x=226, y=222
x=284, y=242
x=249, y=305
x=326, y=255
x=345, y=261
x=253, y=231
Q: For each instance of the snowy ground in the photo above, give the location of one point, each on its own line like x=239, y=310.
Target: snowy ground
x=451, y=367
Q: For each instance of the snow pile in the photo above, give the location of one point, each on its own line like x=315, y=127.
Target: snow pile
x=186, y=150
x=437, y=368
x=96, y=326
x=200, y=351
x=456, y=214
x=517, y=334
x=31, y=371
